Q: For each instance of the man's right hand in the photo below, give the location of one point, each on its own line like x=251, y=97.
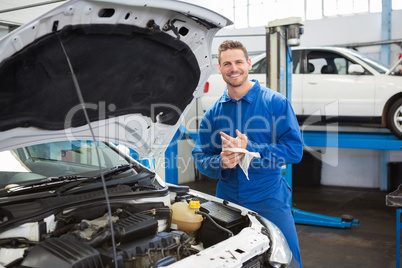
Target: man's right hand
x=231, y=159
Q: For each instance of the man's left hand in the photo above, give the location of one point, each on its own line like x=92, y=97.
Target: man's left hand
x=230, y=159
x=229, y=142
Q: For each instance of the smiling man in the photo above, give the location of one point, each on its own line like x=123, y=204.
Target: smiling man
x=245, y=138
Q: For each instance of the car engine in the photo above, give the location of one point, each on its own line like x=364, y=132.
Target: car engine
x=80, y=236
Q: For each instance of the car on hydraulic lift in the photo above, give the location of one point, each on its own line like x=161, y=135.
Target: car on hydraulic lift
x=79, y=86
x=333, y=84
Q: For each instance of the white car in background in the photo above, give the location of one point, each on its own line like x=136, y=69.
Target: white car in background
x=333, y=84
x=73, y=83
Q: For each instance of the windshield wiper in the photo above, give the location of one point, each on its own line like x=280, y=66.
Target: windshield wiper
x=106, y=173
x=115, y=170
x=69, y=182
x=35, y=185
x=135, y=180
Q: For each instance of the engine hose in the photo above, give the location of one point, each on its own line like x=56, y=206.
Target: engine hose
x=214, y=222
x=95, y=241
x=63, y=230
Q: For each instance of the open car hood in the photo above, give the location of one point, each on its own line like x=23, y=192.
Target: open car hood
x=138, y=64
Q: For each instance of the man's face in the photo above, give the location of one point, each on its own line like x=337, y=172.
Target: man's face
x=234, y=67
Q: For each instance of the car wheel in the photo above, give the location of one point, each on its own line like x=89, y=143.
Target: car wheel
x=394, y=119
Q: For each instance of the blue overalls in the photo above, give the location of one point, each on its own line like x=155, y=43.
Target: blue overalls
x=268, y=120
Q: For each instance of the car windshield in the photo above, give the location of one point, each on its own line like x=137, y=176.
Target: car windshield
x=55, y=159
x=378, y=66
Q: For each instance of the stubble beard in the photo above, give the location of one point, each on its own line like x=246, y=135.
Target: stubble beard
x=238, y=84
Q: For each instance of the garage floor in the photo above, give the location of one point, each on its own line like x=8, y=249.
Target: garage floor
x=371, y=244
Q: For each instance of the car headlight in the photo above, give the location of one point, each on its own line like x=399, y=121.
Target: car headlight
x=280, y=253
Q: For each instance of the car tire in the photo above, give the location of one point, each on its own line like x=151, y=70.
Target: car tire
x=394, y=119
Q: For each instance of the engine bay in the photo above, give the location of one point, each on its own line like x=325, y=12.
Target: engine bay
x=80, y=235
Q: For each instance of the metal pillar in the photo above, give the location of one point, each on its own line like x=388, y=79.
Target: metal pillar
x=280, y=35
x=386, y=31
x=171, y=165
x=384, y=159
x=171, y=170
x=398, y=237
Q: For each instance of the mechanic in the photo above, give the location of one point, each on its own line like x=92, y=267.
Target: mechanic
x=249, y=118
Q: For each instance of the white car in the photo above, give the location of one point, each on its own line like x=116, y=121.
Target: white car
x=74, y=83
x=333, y=84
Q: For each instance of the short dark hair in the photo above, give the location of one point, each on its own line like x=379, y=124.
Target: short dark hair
x=230, y=44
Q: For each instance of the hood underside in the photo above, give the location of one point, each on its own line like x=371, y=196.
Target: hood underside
x=142, y=60
x=126, y=67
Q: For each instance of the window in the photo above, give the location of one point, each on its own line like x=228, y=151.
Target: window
x=396, y=4
x=313, y=9
x=346, y=7
x=260, y=67
x=296, y=62
x=83, y=152
x=375, y=6
x=341, y=65
x=330, y=8
x=322, y=62
x=360, y=6
x=315, y=65
x=254, y=13
x=241, y=14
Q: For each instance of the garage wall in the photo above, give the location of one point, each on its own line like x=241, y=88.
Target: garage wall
x=356, y=168
x=3, y=31
x=330, y=31
x=353, y=29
